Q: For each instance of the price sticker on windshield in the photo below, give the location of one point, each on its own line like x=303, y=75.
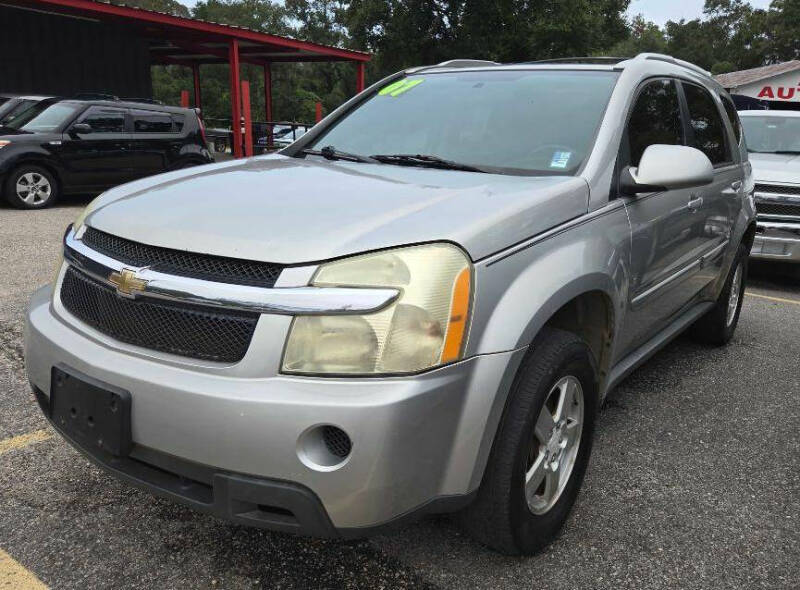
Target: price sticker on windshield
x=400, y=87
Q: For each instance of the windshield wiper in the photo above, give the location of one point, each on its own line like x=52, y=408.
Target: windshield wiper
x=424, y=160
x=331, y=153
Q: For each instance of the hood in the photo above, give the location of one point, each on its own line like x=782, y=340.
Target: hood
x=291, y=211
x=10, y=131
x=778, y=168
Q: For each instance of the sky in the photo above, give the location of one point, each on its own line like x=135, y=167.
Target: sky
x=658, y=11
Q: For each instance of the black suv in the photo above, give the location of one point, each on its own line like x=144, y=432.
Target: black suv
x=86, y=146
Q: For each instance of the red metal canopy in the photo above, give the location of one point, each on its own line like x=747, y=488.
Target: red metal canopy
x=189, y=42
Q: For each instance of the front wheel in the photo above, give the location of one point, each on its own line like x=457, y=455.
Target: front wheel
x=541, y=450
x=31, y=187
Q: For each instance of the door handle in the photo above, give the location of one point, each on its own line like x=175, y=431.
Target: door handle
x=695, y=204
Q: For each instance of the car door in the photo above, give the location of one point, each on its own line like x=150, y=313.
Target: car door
x=668, y=227
x=99, y=158
x=156, y=144
x=720, y=200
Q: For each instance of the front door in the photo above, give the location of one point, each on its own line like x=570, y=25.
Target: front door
x=99, y=158
x=669, y=235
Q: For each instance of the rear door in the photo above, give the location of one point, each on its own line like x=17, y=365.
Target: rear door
x=668, y=233
x=100, y=158
x=156, y=142
x=721, y=200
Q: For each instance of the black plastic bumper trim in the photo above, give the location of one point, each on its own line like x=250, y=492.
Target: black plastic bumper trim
x=243, y=499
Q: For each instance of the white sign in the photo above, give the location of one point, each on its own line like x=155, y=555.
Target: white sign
x=783, y=88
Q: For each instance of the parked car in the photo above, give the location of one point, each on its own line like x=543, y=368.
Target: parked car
x=85, y=146
x=773, y=140
x=418, y=307
x=282, y=136
x=12, y=105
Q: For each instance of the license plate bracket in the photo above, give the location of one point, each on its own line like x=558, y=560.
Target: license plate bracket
x=95, y=414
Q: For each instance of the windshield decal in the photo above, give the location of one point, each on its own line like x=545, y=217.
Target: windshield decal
x=399, y=87
x=560, y=159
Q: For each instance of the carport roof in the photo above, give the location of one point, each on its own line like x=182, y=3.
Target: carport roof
x=187, y=41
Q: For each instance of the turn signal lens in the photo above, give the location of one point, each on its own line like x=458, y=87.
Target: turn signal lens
x=425, y=327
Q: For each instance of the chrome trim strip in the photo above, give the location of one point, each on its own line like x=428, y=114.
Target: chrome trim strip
x=673, y=277
x=778, y=226
x=700, y=262
x=282, y=300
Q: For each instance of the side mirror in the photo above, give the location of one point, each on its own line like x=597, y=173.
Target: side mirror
x=665, y=167
x=80, y=129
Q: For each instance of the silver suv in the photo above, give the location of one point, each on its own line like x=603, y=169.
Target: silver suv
x=417, y=307
x=773, y=140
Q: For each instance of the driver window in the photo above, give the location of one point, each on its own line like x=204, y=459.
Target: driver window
x=103, y=120
x=655, y=118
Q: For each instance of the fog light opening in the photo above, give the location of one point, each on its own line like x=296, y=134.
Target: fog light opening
x=324, y=447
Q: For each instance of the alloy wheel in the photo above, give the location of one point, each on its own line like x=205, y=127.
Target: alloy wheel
x=735, y=294
x=554, y=448
x=33, y=188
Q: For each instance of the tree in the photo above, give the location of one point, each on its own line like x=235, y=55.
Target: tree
x=644, y=37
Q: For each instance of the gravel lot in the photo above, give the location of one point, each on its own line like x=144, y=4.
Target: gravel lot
x=694, y=482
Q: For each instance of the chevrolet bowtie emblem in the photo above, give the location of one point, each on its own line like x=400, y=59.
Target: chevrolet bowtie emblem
x=126, y=282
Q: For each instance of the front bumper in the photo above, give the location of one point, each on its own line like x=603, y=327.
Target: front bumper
x=777, y=240
x=417, y=442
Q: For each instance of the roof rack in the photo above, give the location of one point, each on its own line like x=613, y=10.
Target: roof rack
x=674, y=60
x=456, y=63
x=580, y=60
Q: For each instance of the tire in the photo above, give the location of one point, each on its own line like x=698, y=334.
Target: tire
x=502, y=517
x=718, y=325
x=45, y=191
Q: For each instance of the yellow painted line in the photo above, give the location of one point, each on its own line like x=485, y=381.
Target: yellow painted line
x=23, y=440
x=14, y=576
x=778, y=299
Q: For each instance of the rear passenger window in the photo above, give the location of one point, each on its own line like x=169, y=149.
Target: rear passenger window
x=706, y=123
x=151, y=122
x=655, y=118
x=730, y=110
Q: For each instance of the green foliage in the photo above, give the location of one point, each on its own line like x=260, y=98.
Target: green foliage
x=731, y=35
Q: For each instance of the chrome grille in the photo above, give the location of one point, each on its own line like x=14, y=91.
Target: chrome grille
x=778, y=189
x=181, y=263
x=781, y=209
x=190, y=331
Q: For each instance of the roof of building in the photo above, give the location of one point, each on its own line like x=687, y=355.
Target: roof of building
x=742, y=77
x=177, y=39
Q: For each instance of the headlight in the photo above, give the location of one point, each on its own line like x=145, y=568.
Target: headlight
x=78, y=223
x=425, y=327
x=4, y=143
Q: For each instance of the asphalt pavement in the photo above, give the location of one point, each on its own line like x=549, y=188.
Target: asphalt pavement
x=694, y=481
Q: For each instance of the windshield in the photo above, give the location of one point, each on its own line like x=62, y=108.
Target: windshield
x=525, y=121
x=11, y=109
x=767, y=135
x=43, y=117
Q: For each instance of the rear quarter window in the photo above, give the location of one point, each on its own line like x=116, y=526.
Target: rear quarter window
x=177, y=123
x=730, y=110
